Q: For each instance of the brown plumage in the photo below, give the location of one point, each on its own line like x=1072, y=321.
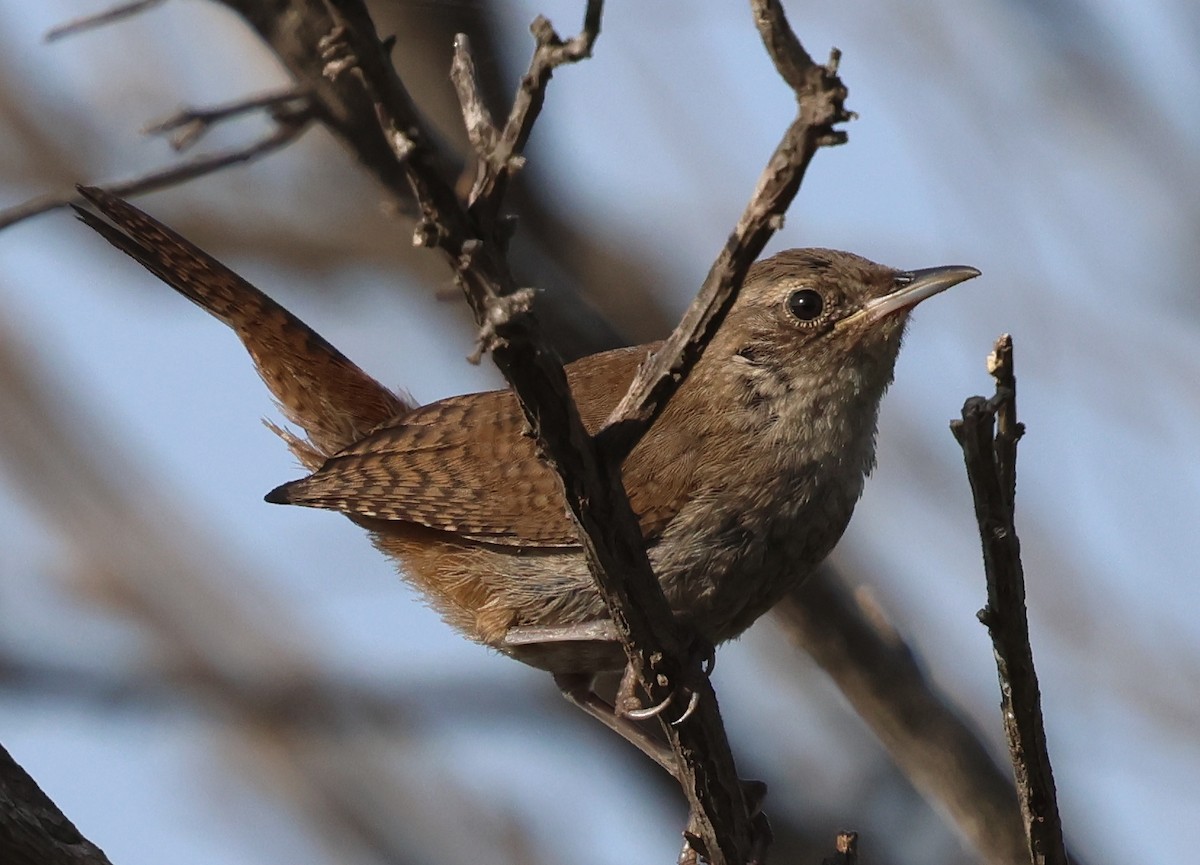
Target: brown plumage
x=742, y=486
x=464, y=465
x=314, y=384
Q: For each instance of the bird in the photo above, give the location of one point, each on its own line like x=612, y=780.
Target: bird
x=741, y=487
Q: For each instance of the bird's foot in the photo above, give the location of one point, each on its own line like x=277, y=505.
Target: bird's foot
x=702, y=658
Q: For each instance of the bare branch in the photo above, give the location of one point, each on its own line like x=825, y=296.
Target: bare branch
x=820, y=95
x=481, y=129
x=286, y=132
x=99, y=19
x=32, y=829
x=294, y=32
x=190, y=124
x=791, y=61
x=988, y=434
x=1008, y=430
x=500, y=159
x=845, y=850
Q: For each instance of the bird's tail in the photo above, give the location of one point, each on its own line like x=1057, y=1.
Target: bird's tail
x=316, y=387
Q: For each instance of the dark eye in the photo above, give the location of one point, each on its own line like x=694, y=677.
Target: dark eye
x=805, y=304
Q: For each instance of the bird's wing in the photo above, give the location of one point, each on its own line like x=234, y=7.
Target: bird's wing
x=466, y=465
x=317, y=387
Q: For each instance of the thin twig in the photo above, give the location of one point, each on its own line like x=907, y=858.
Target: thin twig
x=845, y=849
x=502, y=159
x=190, y=124
x=820, y=97
x=281, y=136
x=99, y=19
x=990, y=457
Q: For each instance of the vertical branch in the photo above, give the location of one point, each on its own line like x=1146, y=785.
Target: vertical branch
x=988, y=433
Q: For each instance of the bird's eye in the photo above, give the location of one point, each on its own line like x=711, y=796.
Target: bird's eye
x=805, y=303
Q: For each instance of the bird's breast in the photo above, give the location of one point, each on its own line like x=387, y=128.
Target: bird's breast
x=745, y=540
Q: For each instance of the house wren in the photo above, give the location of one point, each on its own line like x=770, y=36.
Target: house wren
x=742, y=486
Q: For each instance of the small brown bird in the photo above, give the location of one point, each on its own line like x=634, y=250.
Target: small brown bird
x=742, y=486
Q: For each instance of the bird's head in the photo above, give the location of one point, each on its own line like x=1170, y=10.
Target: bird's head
x=817, y=323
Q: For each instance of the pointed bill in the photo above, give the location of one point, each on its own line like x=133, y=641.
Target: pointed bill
x=913, y=287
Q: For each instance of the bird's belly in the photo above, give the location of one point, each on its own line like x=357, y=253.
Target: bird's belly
x=727, y=567
x=722, y=564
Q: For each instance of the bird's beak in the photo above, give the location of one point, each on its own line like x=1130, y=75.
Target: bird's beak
x=912, y=287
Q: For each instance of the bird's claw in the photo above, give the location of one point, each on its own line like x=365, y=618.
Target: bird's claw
x=703, y=656
x=647, y=712
x=693, y=702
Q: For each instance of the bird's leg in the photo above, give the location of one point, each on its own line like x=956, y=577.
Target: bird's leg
x=594, y=646
x=573, y=653
x=578, y=688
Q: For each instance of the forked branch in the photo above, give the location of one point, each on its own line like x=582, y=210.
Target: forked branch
x=186, y=127
x=988, y=433
x=292, y=118
x=499, y=151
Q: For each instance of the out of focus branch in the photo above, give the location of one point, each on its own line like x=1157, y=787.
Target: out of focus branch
x=293, y=31
x=108, y=16
x=186, y=127
x=206, y=611
x=988, y=434
x=926, y=738
x=290, y=125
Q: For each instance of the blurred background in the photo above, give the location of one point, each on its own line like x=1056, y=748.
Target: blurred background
x=184, y=667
